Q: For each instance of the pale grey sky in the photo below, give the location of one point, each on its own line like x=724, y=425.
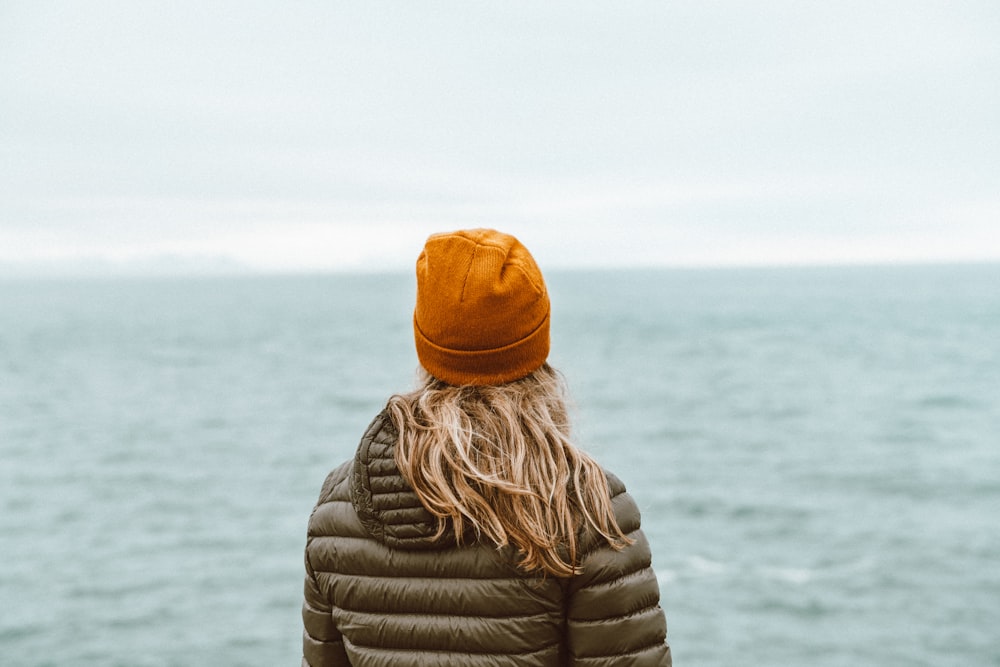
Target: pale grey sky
x=331, y=135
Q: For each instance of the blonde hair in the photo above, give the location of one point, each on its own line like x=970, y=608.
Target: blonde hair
x=498, y=460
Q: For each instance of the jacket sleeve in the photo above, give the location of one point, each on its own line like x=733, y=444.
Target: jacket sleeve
x=613, y=614
x=322, y=644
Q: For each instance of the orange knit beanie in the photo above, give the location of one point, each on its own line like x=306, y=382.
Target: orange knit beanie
x=482, y=314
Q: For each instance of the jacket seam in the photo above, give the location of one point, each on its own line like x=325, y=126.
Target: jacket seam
x=333, y=573
x=636, y=651
x=631, y=574
x=421, y=614
x=407, y=649
x=620, y=617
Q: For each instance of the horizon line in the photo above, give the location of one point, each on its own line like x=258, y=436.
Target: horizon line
x=10, y=271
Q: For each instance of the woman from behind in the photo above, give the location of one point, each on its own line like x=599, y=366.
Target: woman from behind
x=468, y=530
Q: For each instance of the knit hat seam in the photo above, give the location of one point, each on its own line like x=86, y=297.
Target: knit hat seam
x=527, y=276
x=468, y=272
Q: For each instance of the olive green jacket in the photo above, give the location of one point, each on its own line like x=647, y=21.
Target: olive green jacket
x=380, y=591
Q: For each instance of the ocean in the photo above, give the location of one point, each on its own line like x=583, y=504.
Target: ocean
x=816, y=453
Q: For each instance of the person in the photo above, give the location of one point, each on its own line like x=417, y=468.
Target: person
x=468, y=529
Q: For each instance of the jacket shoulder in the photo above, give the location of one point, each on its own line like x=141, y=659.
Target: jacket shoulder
x=337, y=485
x=623, y=504
x=602, y=562
x=334, y=486
x=334, y=513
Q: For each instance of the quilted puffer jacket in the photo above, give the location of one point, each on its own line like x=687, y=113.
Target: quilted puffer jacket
x=381, y=592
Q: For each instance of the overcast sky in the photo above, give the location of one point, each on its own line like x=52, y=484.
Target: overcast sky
x=297, y=136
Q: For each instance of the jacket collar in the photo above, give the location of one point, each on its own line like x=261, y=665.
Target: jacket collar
x=387, y=506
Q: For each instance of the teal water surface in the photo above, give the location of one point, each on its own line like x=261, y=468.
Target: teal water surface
x=816, y=453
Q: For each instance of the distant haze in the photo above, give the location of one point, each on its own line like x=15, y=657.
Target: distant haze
x=192, y=137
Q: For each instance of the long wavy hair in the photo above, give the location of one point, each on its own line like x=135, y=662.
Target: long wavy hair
x=497, y=461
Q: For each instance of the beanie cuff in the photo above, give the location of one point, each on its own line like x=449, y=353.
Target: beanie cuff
x=484, y=367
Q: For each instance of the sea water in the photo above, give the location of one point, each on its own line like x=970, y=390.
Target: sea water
x=816, y=453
